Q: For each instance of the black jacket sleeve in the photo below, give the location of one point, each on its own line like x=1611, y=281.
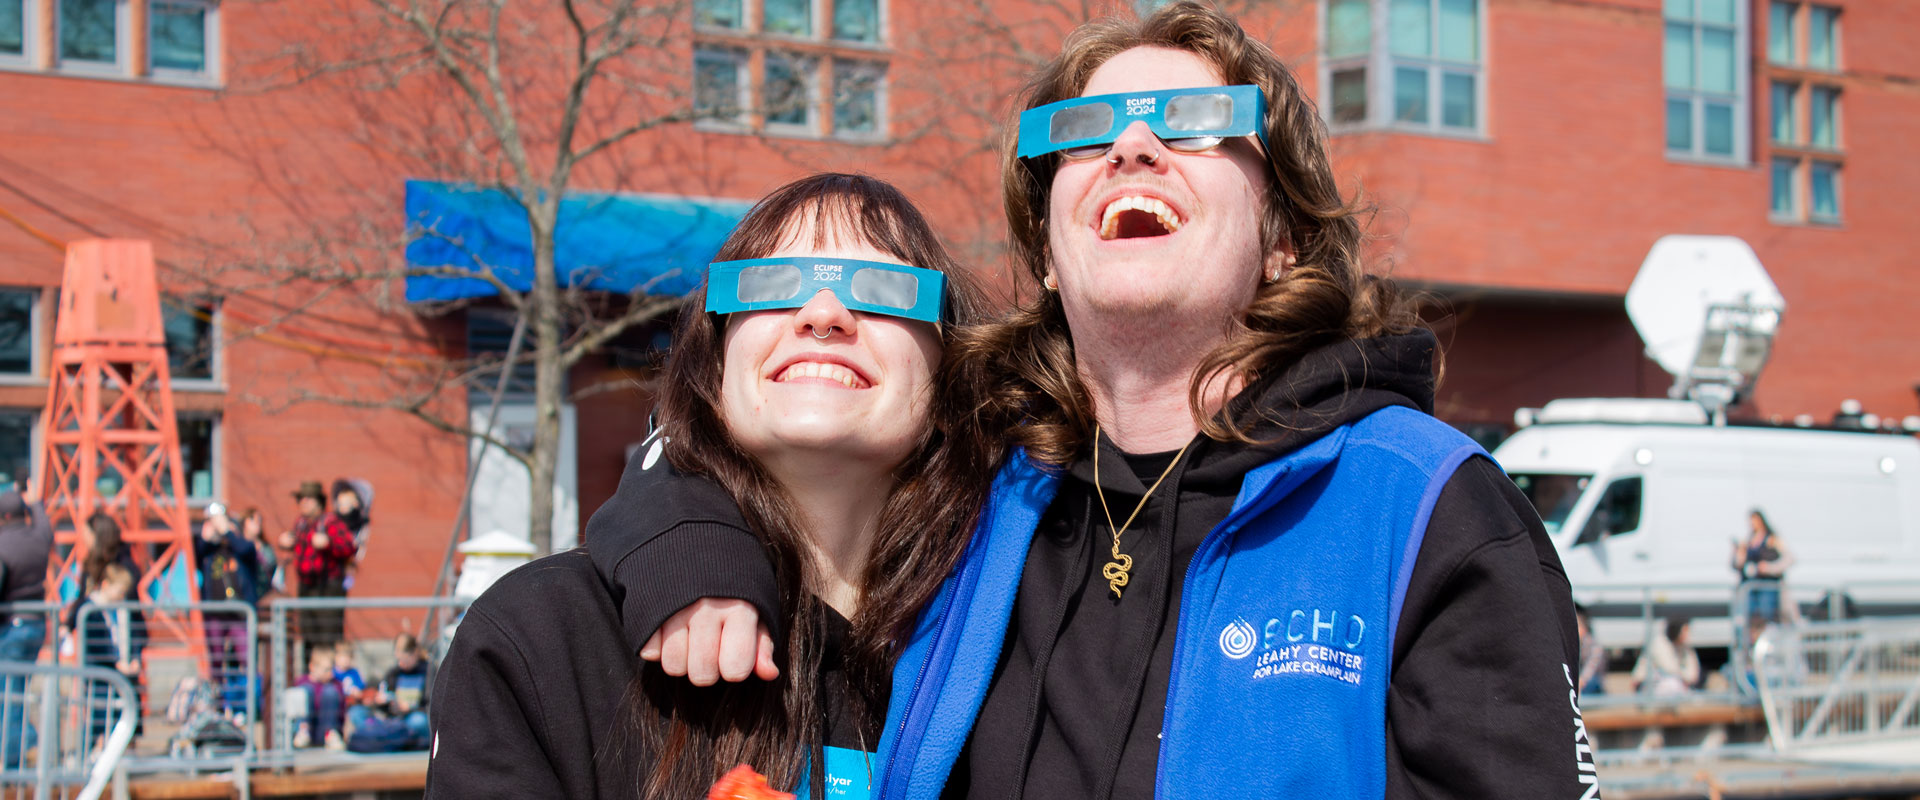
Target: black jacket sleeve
x=1480, y=703
x=666, y=539
x=488, y=737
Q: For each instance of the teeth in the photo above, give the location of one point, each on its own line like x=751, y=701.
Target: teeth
x=1110, y=219
x=814, y=369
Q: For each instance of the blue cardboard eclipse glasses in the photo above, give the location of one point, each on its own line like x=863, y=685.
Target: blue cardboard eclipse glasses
x=1188, y=120
x=758, y=284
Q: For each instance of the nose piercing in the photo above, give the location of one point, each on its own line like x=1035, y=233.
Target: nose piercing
x=1116, y=159
x=1149, y=159
x=818, y=335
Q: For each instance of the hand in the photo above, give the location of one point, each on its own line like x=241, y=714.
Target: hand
x=320, y=541
x=286, y=540
x=129, y=668
x=29, y=491
x=401, y=707
x=711, y=639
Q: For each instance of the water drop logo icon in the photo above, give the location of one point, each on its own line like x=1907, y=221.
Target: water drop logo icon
x=1237, y=639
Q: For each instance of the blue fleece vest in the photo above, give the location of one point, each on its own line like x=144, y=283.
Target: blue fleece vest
x=1287, y=621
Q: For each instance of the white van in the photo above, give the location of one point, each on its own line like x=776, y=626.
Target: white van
x=1646, y=493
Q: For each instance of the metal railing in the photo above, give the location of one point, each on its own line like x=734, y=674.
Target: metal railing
x=288, y=651
x=1655, y=601
x=1840, y=682
x=64, y=730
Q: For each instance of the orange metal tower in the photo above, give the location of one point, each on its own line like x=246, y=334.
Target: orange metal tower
x=111, y=443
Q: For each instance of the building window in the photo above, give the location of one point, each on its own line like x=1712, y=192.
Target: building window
x=1706, y=89
x=859, y=87
x=176, y=41
x=19, y=332
x=1429, y=51
x=16, y=445
x=811, y=68
x=1802, y=56
x=1823, y=32
x=180, y=36
x=199, y=456
x=720, y=85
x=90, y=31
x=790, y=96
x=1785, y=100
x=719, y=14
x=13, y=29
x=191, y=344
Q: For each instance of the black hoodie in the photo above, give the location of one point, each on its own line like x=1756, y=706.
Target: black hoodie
x=1075, y=706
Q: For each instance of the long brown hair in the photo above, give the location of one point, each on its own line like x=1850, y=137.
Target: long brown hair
x=106, y=549
x=695, y=734
x=1324, y=297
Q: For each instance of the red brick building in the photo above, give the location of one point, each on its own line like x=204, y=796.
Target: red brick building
x=1525, y=154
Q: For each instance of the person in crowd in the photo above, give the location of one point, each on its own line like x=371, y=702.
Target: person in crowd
x=1225, y=421
x=346, y=673
x=353, y=503
x=1593, y=657
x=26, y=543
x=104, y=548
x=229, y=564
x=325, y=719
x=1669, y=666
x=113, y=638
x=402, y=692
x=322, y=548
x=804, y=385
x=1761, y=559
x=253, y=527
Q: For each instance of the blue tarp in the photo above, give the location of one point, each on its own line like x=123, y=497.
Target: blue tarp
x=606, y=242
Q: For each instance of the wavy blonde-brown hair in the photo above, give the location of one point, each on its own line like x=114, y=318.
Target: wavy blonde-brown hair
x=1325, y=296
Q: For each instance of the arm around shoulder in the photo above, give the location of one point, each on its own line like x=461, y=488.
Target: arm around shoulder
x=668, y=539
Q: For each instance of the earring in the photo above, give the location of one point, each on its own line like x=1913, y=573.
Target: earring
x=1272, y=276
x=1051, y=284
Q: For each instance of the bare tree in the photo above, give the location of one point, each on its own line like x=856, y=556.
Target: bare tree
x=524, y=99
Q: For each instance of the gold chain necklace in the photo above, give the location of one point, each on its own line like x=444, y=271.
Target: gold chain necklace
x=1117, y=571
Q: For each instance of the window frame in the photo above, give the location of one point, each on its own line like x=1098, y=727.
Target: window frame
x=1380, y=67
x=1697, y=99
x=122, y=47
x=1803, y=154
x=881, y=92
x=818, y=51
x=215, y=464
x=216, y=349
x=36, y=374
x=741, y=120
x=29, y=54
x=212, y=31
x=35, y=418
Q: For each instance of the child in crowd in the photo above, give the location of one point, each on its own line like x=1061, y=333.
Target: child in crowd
x=402, y=692
x=111, y=638
x=326, y=703
x=346, y=673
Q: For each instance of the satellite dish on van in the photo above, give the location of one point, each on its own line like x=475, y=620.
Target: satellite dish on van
x=1707, y=311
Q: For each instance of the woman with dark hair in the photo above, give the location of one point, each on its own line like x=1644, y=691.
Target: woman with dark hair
x=1762, y=560
x=805, y=401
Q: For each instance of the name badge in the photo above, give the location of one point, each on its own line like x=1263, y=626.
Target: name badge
x=846, y=775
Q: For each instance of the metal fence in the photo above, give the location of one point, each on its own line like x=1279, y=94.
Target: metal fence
x=85, y=695
x=1840, y=683
x=290, y=622
x=63, y=730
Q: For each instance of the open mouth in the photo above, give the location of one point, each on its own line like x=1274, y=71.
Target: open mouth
x=1137, y=217
x=821, y=372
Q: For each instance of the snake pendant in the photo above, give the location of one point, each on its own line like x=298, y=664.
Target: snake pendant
x=1116, y=571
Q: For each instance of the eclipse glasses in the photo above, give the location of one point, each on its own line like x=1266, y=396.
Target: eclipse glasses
x=1187, y=120
x=758, y=284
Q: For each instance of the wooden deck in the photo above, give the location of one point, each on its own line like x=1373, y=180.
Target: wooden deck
x=385, y=775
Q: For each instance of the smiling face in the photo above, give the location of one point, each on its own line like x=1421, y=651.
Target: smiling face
x=1162, y=230
x=862, y=392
